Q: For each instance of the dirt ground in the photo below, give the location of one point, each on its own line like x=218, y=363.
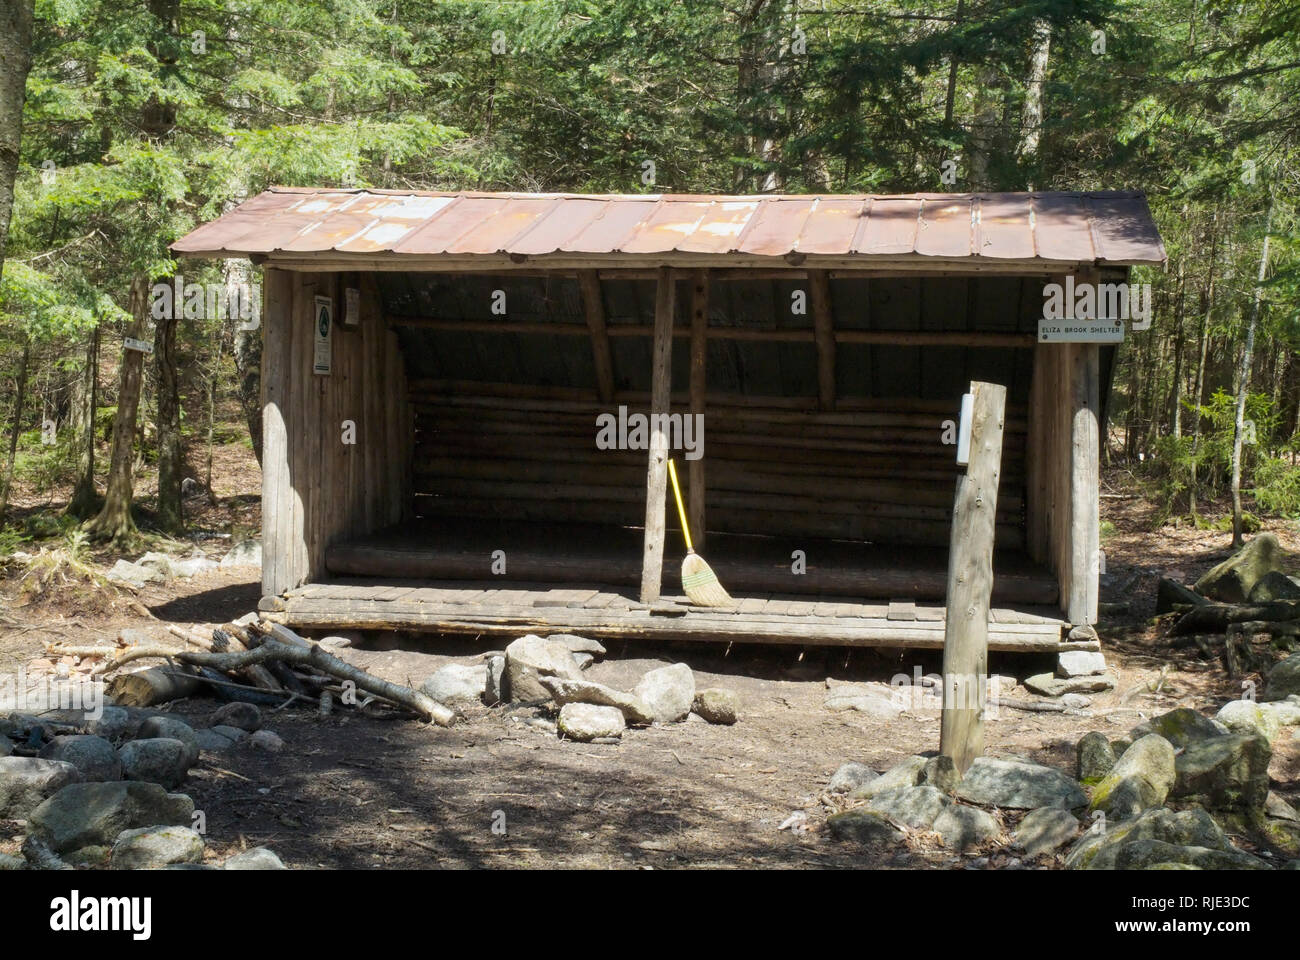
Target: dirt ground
x=350, y=791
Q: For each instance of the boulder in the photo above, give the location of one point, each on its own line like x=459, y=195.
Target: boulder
x=6, y=746
x=93, y=756
x=1180, y=727
x=25, y=783
x=874, y=699
x=133, y=575
x=162, y=760
x=258, y=858
x=1097, y=849
x=1045, y=830
x=1283, y=679
x=850, y=776
x=87, y=814
x=1233, y=579
x=245, y=716
x=1224, y=773
x=456, y=681
x=1141, y=778
x=1018, y=785
x=1093, y=757
x=494, y=687
x=246, y=553
x=1158, y=854
x=114, y=723
x=941, y=773
x=1279, y=809
x=233, y=734
x=1250, y=718
x=1274, y=586
x=635, y=711
x=211, y=741
x=1080, y=663
x=585, y=722
x=530, y=658
x=148, y=848
x=963, y=827
x=577, y=644
x=905, y=773
x=155, y=728
x=867, y=827
x=1050, y=685
x=265, y=740
x=668, y=692
x=717, y=705
x=917, y=807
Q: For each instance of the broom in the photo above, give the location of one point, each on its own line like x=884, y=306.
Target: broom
x=699, y=582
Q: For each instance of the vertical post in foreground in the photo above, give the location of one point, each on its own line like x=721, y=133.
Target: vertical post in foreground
x=656, y=487
x=970, y=582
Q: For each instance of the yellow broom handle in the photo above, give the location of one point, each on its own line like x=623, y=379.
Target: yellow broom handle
x=681, y=511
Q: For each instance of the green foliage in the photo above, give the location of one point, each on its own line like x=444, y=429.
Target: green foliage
x=1277, y=487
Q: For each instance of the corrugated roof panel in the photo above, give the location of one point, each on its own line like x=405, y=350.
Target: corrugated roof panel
x=831, y=226
x=777, y=226
x=1062, y=228
x=613, y=226
x=719, y=229
x=672, y=222
x=1122, y=227
x=945, y=228
x=889, y=227
x=1002, y=227
x=560, y=227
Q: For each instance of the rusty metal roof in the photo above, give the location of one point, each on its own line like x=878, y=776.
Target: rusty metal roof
x=294, y=223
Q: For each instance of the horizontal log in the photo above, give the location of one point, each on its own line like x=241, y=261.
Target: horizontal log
x=371, y=615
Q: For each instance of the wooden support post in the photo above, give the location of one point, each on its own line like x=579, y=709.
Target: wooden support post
x=699, y=386
x=652, y=563
x=277, y=575
x=594, y=307
x=1085, y=450
x=970, y=582
x=824, y=333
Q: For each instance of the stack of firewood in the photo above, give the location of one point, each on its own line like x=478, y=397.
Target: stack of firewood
x=252, y=660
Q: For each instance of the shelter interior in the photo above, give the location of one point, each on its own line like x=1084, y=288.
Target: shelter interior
x=825, y=482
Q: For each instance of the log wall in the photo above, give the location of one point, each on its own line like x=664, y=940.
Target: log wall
x=316, y=488
x=870, y=470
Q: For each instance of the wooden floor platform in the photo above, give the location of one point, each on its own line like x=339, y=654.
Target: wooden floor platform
x=611, y=612
x=577, y=554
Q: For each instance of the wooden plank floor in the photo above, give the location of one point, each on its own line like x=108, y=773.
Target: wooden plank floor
x=611, y=612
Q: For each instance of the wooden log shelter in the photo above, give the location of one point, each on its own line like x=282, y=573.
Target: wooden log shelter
x=438, y=369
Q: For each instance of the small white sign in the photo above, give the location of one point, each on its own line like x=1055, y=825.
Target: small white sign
x=963, y=431
x=351, y=307
x=1080, y=331
x=144, y=346
x=324, y=320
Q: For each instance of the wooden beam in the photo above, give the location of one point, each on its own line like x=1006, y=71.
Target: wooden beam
x=1085, y=521
x=699, y=397
x=970, y=582
x=594, y=307
x=905, y=338
x=824, y=331
x=652, y=561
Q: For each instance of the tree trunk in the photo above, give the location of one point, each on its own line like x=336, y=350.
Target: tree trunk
x=85, y=501
x=1243, y=385
x=1031, y=117
x=15, y=62
x=16, y=428
x=951, y=95
x=248, y=360
x=984, y=130
x=171, y=463
x=113, y=522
